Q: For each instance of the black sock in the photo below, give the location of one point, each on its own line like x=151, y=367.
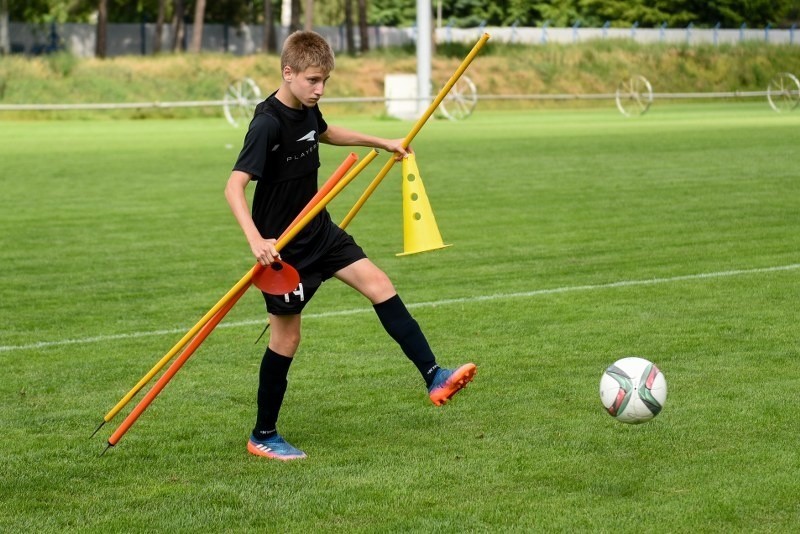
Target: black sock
x=406, y=332
x=271, y=388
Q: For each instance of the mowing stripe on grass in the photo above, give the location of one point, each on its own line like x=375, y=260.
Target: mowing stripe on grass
x=443, y=302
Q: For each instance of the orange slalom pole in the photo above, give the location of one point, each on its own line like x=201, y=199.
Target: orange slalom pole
x=170, y=372
x=418, y=126
x=290, y=234
x=244, y=282
x=208, y=327
x=325, y=189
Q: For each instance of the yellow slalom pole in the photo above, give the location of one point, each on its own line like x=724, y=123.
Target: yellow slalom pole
x=240, y=285
x=243, y=283
x=417, y=127
x=335, y=191
x=170, y=372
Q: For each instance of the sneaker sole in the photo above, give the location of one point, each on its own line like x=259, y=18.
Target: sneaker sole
x=256, y=450
x=457, y=381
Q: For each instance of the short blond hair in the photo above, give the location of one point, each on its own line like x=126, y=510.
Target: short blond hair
x=302, y=50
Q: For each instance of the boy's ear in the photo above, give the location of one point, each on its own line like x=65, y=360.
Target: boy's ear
x=287, y=73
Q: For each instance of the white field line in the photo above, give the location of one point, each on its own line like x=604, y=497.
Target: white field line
x=443, y=302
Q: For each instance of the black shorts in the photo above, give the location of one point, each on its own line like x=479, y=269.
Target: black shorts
x=340, y=253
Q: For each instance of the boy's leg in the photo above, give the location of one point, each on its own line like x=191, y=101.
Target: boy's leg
x=284, y=336
x=366, y=278
x=272, y=383
x=404, y=329
x=369, y=280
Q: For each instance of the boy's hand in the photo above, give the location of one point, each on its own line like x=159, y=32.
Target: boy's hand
x=264, y=250
x=396, y=146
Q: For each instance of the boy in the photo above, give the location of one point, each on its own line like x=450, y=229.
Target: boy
x=280, y=152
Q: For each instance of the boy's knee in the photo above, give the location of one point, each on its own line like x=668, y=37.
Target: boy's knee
x=285, y=336
x=383, y=282
x=382, y=289
x=285, y=345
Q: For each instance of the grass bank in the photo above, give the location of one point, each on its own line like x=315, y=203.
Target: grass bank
x=590, y=67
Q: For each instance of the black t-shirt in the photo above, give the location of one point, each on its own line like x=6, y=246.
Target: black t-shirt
x=281, y=152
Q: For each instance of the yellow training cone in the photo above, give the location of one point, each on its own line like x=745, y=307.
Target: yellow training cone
x=420, y=233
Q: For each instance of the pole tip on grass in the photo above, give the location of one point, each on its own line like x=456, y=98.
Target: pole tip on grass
x=106, y=449
x=262, y=334
x=96, y=430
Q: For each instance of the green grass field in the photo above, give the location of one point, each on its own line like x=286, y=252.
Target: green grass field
x=579, y=237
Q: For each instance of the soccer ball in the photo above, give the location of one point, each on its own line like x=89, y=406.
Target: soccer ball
x=633, y=390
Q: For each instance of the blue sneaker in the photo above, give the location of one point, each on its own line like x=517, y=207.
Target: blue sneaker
x=448, y=382
x=274, y=447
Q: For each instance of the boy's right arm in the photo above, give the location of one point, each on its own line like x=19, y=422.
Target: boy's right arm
x=263, y=249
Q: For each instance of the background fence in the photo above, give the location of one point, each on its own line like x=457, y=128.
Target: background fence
x=138, y=39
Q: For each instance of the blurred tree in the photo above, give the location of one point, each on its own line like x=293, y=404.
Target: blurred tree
x=647, y=13
x=5, y=44
x=294, y=25
x=564, y=13
x=732, y=13
x=393, y=12
x=270, y=39
x=363, y=25
x=159, y=29
x=329, y=13
x=471, y=13
x=309, y=19
x=348, y=27
x=45, y=11
x=234, y=12
x=679, y=13
x=102, y=29
x=791, y=14
x=178, y=28
x=702, y=13
x=127, y=11
x=197, y=26
x=522, y=12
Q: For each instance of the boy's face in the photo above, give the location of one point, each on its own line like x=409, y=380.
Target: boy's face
x=308, y=86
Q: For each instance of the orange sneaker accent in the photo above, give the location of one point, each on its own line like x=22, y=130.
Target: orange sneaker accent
x=454, y=383
x=261, y=450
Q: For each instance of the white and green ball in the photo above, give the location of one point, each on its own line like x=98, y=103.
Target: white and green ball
x=633, y=390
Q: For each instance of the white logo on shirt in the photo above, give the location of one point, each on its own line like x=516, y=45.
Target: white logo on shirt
x=308, y=137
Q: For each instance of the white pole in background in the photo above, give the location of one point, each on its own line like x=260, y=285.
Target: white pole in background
x=5, y=40
x=286, y=13
x=424, y=47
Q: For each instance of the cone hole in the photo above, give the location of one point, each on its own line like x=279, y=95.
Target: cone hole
x=417, y=216
x=411, y=177
x=414, y=196
x=276, y=266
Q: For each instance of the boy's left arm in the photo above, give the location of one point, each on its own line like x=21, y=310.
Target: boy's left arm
x=336, y=135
